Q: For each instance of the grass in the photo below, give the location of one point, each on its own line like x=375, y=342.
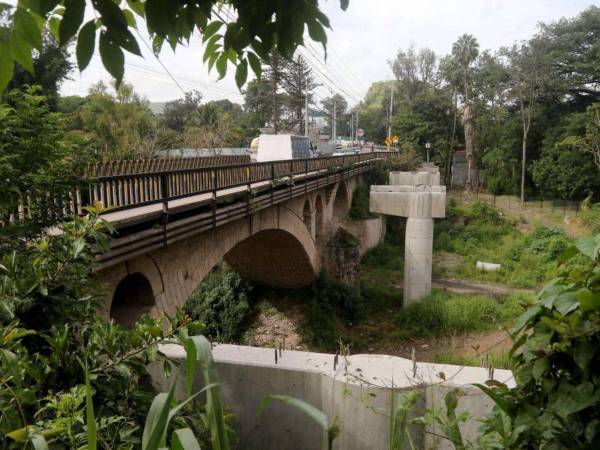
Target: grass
x=480, y=233
x=497, y=360
x=447, y=314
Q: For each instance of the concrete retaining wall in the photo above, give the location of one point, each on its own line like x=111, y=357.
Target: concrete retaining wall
x=369, y=232
x=357, y=393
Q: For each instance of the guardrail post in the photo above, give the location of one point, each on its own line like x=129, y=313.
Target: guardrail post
x=164, y=193
x=213, y=175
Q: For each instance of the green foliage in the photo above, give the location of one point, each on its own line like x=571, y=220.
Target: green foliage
x=556, y=402
x=118, y=124
x=565, y=171
x=48, y=305
x=444, y=314
x=222, y=304
x=256, y=30
x=332, y=303
x=590, y=214
x=359, y=210
x=35, y=159
x=480, y=233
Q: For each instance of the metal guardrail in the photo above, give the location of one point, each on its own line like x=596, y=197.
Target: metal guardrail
x=135, y=188
x=125, y=191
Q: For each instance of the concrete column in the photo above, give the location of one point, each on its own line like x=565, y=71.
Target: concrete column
x=420, y=204
x=418, y=249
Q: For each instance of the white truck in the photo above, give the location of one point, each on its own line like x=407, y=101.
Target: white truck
x=275, y=147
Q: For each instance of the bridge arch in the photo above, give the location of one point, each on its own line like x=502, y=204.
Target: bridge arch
x=132, y=298
x=274, y=257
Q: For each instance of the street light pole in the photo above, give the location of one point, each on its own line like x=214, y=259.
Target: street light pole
x=428, y=147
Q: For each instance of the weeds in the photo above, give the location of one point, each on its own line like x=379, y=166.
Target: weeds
x=445, y=314
x=480, y=233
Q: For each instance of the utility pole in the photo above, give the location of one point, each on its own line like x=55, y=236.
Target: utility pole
x=334, y=123
x=352, y=128
x=306, y=108
x=391, y=109
x=356, y=129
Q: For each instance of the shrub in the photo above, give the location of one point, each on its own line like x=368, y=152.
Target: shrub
x=590, y=214
x=360, y=204
x=221, y=303
x=556, y=403
x=332, y=303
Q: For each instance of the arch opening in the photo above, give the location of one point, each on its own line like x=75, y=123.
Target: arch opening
x=340, y=203
x=307, y=216
x=318, y=217
x=272, y=257
x=133, y=298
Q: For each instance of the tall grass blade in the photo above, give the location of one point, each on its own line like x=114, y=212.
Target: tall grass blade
x=313, y=413
x=401, y=406
x=214, y=405
x=92, y=431
x=157, y=420
x=184, y=439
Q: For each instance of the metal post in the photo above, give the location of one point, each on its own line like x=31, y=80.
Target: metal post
x=391, y=111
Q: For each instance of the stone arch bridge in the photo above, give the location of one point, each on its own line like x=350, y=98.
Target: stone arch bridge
x=270, y=221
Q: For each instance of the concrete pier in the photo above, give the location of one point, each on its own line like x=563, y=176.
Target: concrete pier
x=420, y=199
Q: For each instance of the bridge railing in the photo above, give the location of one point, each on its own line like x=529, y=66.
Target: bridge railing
x=118, y=192
x=134, y=188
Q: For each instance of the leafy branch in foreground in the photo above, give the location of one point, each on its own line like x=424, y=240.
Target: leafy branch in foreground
x=234, y=32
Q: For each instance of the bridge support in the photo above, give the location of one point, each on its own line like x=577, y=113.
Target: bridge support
x=420, y=204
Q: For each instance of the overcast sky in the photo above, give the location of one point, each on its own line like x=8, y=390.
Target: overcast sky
x=363, y=38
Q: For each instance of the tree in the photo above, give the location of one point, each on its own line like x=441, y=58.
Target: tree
x=592, y=133
x=178, y=113
x=341, y=107
x=256, y=29
x=572, y=47
x=465, y=50
x=117, y=122
x=35, y=159
x=527, y=70
x=298, y=83
x=450, y=71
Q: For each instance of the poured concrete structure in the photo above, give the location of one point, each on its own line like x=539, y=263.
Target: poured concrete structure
x=357, y=393
x=421, y=200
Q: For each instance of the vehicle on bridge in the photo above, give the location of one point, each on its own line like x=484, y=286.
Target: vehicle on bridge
x=277, y=147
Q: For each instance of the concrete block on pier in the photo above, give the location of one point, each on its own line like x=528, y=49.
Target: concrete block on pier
x=425, y=202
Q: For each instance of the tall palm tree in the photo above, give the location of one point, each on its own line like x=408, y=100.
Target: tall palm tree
x=465, y=50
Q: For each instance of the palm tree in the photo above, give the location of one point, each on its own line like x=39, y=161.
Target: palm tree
x=465, y=50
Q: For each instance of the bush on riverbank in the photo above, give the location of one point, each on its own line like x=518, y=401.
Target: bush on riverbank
x=222, y=304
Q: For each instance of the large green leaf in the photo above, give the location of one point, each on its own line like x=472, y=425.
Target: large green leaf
x=72, y=18
x=112, y=56
x=21, y=53
x=85, y=44
x=241, y=74
x=7, y=65
x=589, y=246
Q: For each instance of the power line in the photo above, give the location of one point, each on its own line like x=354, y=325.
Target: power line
x=339, y=71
